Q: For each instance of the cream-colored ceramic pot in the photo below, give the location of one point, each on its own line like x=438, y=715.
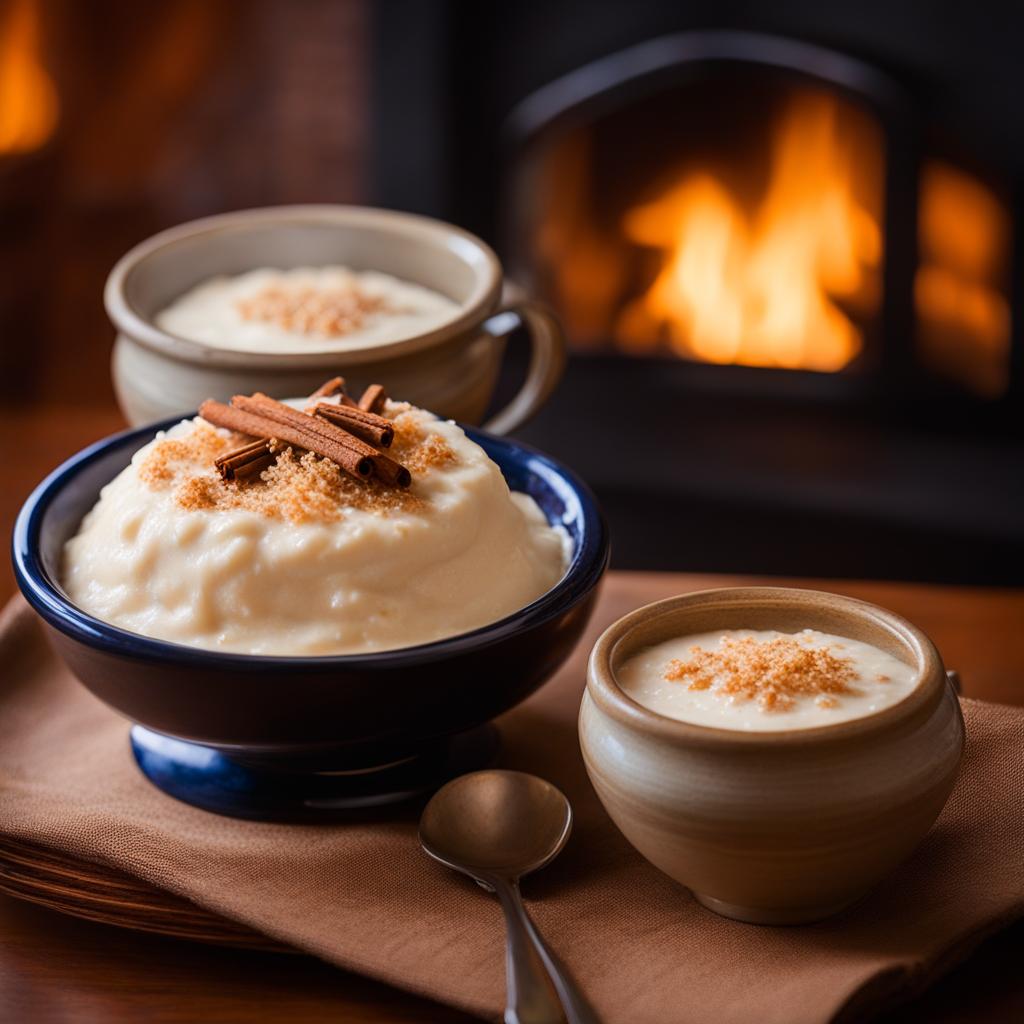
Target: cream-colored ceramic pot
x=773, y=827
x=450, y=370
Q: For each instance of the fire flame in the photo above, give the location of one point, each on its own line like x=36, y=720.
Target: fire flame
x=960, y=286
x=28, y=98
x=763, y=289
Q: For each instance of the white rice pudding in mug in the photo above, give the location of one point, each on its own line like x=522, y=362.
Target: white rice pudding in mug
x=304, y=559
x=764, y=680
x=305, y=309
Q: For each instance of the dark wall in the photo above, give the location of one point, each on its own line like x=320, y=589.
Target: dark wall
x=448, y=73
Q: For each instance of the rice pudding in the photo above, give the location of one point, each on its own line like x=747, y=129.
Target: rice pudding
x=285, y=552
x=306, y=309
x=764, y=680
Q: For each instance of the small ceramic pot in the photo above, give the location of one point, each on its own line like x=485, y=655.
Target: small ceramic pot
x=450, y=370
x=772, y=827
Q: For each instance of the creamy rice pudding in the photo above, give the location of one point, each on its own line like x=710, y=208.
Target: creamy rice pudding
x=306, y=309
x=764, y=680
x=243, y=540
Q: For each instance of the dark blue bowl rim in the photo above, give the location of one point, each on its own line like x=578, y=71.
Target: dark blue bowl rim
x=588, y=564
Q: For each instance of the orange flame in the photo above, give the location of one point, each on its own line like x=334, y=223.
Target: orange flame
x=960, y=287
x=762, y=289
x=28, y=98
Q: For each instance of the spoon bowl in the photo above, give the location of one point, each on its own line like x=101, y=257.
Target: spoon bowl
x=496, y=823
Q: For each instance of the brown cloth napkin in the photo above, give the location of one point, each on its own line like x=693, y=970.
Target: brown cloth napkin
x=364, y=896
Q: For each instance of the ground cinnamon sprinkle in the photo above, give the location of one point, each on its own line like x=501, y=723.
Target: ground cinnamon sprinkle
x=331, y=311
x=772, y=672
x=300, y=486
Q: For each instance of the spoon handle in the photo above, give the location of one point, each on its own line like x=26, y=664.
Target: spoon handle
x=540, y=990
x=574, y=1003
x=530, y=996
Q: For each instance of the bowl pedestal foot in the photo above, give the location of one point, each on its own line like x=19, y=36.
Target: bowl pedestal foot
x=279, y=787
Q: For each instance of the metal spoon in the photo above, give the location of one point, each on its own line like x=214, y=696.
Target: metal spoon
x=497, y=826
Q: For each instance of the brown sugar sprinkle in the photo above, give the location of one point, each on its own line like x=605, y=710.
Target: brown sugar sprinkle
x=300, y=486
x=882, y=678
x=334, y=312
x=162, y=465
x=418, y=451
x=772, y=672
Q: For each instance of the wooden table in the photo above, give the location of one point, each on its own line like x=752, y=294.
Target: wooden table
x=58, y=969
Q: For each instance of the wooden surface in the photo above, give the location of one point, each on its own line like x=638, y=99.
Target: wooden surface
x=55, y=968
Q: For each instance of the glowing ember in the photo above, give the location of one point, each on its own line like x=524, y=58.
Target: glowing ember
x=763, y=288
x=28, y=99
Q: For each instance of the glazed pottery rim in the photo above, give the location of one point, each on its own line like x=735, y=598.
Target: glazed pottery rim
x=141, y=328
x=586, y=567
x=604, y=688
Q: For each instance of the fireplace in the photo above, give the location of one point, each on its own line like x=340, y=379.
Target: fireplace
x=747, y=233
x=784, y=255
x=790, y=278
x=790, y=224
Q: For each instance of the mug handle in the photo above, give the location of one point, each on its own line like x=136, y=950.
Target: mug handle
x=547, y=360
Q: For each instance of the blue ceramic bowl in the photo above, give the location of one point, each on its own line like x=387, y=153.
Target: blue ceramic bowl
x=354, y=708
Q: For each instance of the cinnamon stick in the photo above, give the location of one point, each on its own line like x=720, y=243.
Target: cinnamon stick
x=373, y=398
x=387, y=469
x=365, y=425
x=333, y=388
x=391, y=472
x=329, y=388
x=264, y=405
x=249, y=460
x=263, y=417
x=253, y=422
x=258, y=446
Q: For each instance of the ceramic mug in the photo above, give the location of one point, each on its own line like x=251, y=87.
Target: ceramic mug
x=773, y=827
x=451, y=369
